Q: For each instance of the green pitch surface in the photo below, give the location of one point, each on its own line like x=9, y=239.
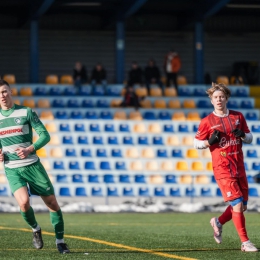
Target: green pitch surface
x=128, y=236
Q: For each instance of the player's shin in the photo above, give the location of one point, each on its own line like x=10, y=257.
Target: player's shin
x=58, y=224
x=29, y=217
x=226, y=215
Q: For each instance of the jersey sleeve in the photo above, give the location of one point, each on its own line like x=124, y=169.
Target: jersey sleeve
x=202, y=133
x=38, y=126
x=244, y=126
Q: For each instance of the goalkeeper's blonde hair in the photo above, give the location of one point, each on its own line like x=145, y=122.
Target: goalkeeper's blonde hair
x=219, y=87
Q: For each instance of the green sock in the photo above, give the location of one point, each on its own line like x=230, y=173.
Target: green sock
x=29, y=217
x=57, y=223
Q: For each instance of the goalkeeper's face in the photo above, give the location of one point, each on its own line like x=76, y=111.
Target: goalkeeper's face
x=219, y=101
x=6, y=101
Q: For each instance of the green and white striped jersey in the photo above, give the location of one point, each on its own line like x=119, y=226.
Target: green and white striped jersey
x=16, y=131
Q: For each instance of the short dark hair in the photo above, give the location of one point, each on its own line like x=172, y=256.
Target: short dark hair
x=3, y=82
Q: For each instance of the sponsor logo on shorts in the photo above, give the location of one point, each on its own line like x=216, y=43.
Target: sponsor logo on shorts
x=17, y=120
x=229, y=194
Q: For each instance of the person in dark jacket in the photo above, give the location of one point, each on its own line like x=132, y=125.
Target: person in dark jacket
x=99, y=76
x=79, y=74
x=130, y=98
x=135, y=75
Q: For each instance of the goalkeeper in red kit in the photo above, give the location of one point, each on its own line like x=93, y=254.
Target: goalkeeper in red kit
x=223, y=131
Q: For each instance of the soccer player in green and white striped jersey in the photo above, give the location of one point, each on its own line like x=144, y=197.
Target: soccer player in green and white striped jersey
x=23, y=167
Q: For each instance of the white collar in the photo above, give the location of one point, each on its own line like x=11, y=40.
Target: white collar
x=224, y=115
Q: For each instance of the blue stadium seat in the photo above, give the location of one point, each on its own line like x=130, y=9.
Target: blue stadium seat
x=127, y=191
x=70, y=91
x=158, y=140
x=190, y=192
x=158, y=191
x=70, y=152
x=205, y=113
x=251, y=116
x=140, y=178
x=101, y=153
x=96, y=191
x=177, y=153
x=87, y=103
x=255, y=128
x=120, y=166
x=258, y=140
x=77, y=178
x=82, y=140
x=233, y=104
x=4, y=191
x=116, y=153
x=199, y=92
x=90, y=165
x=256, y=166
x=112, y=191
x=58, y=165
x=247, y=104
x=91, y=115
x=109, y=128
x=84, y=91
x=185, y=92
x=80, y=191
x=79, y=128
x=168, y=128
x=112, y=140
x=250, y=179
x=104, y=166
x=149, y=115
x=94, y=128
x=175, y=192
x=218, y=192
x=64, y=127
x=93, y=178
x=183, y=128
x=251, y=153
x=143, y=140
x=55, y=91
x=164, y=115
x=98, y=91
x=195, y=128
x=124, y=128
x=253, y=192
x=144, y=192
x=241, y=92
x=170, y=178
x=65, y=191
x=67, y=139
x=58, y=103
x=162, y=153
x=74, y=165
x=73, y=103
x=97, y=140
x=206, y=192
x=86, y=153
x=128, y=140
x=204, y=104
x=76, y=115
x=62, y=178
x=40, y=91
x=109, y=178
x=213, y=180
x=61, y=115
x=106, y=115
x=103, y=103
x=112, y=91
x=246, y=166
x=124, y=178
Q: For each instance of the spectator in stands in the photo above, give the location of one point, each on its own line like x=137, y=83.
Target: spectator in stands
x=79, y=74
x=131, y=99
x=172, y=65
x=152, y=75
x=99, y=76
x=135, y=75
x=223, y=132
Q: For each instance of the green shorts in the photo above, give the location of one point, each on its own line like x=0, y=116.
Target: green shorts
x=34, y=175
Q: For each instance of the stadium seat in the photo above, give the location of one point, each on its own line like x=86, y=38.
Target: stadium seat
x=250, y=179
x=63, y=178
x=177, y=153
x=143, y=140
x=4, y=191
x=162, y=153
x=146, y=103
x=193, y=116
x=128, y=191
x=185, y=179
x=170, y=92
x=149, y=115
x=61, y=115
x=112, y=140
x=251, y=153
x=144, y=192
x=253, y=192
x=204, y=104
x=205, y=113
x=67, y=139
x=14, y=91
x=58, y=165
x=160, y=103
x=255, y=128
x=55, y=140
x=241, y=92
x=175, y=192
x=168, y=128
x=182, y=166
x=199, y=92
x=155, y=92
x=106, y=115
x=17, y=102
x=159, y=192
x=170, y=178
x=29, y=103
x=98, y=140
x=101, y=153
x=164, y=115
x=89, y=165
x=152, y=166
x=65, y=191
x=154, y=128
x=202, y=179
x=82, y=140
x=183, y=128
x=93, y=178
x=206, y=153
x=9, y=78
x=70, y=152
x=40, y=91
x=147, y=153
x=70, y=91
x=74, y=165
x=102, y=103
x=179, y=116
x=120, y=115
x=91, y=115
x=192, y=153
x=213, y=180
x=124, y=128
x=116, y=153
x=173, y=140
x=195, y=128
x=59, y=103
x=158, y=140
x=188, y=140
x=128, y=140
x=76, y=115
x=79, y=128
x=206, y=192
x=136, y=166
x=109, y=178
x=120, y=166
x=223, y=79
x=189, y=103
x=218, y=192
x=232, y=104
x=247, y=104
x=111, y=91
x=80, y=191
x=139, y=128
x=87, y=103
x=109, y=128
x=124, y=178
x=84, y=91
x=256, y=166
x=135, y=115
x=96, y=191
x=51, y=127
x=105, y=165
x=190, y=192
x=132, y=153
x=167, y=166
x=141, y=92
x=181, y=80
x=73, y=103
x=139, y=178
x=42, y=153
x=209, y=166
x=86, y=153
x=77, y=178
x=56, y=152
x=98, y=91
x=184, y=92
x=112, y=191
x=66, y=79
x=252, y=116
x=174, y=104
x=52, y=79
x=94, y=128
x=26, y=91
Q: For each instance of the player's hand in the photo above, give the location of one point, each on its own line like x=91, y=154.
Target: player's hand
x=1, y=156
x=238, y=133
x=244, y=208
x=22, y=152
x=214, y=137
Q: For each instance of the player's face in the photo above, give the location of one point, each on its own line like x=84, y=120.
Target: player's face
x=219, y=101
x=5, y=97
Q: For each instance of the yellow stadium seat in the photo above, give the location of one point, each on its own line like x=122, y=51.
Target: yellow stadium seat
x=206, y=153
x=222, y=79
x=51, y=127
x=135, y=115
x=136, y=166
x=3, y=179
x=192, y=153
x=181, y=80
x=35, y=138
x=146, y=103
x=182, y=166
x=9, y=78
x=155, y=92
x=14, y=91
x=26, y=91
x=120, y=115
x=44, y=103
x=185, y=179
x=141, y=92
x=160, y=103
x=189, y=103
x=46, y=165
x=209, y=166
x=179, y=116
x=193, y=116
x=174, y=104
x=154, y=128
x=42, y=153
x=47, y=115
x=156, y=179
x=148, y=153
x=152, y=166
x=17, y=101
x=139, y=128
x=173, y=140
x=202, y=179
x=167, y=166
x=170, y=92
x=52, y=179
x=56, y=152
x=188, y=140
x=132, y=153
x=29, y=103
x=197, y=166
x=236, y=80
x=55, y=140
x=66, y=79
x=52, y=79
x=115, y=102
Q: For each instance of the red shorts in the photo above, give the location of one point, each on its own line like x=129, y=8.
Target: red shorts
x=233, y=188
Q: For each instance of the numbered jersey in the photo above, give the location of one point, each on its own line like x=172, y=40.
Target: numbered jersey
x=227, y=154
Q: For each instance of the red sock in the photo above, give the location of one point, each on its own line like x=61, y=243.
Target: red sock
x=240, y=225
x=226, y=215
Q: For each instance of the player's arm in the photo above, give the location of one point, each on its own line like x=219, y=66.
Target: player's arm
x=1, y=153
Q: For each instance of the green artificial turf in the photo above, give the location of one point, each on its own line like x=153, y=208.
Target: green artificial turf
x=128, y=236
